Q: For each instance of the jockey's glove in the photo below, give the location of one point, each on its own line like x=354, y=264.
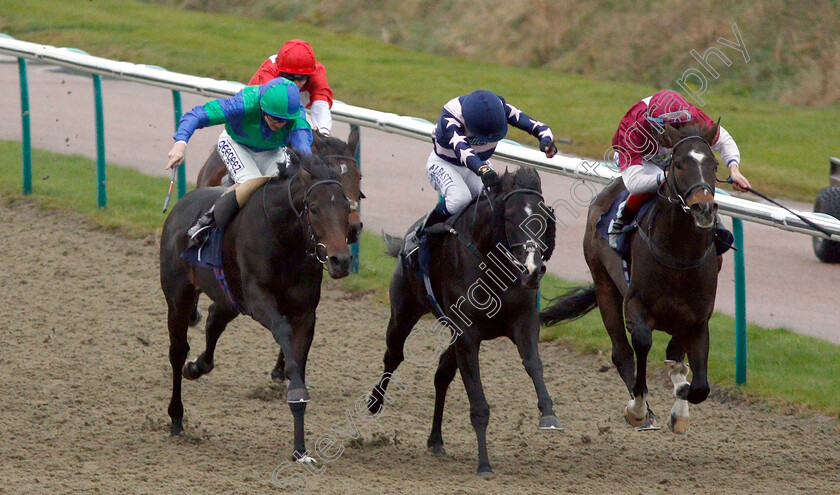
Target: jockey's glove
x=548, y=147
x=489, y=177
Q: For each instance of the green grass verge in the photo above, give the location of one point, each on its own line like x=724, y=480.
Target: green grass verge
x=785, y=148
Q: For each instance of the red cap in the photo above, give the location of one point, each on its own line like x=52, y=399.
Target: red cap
x=296, y=57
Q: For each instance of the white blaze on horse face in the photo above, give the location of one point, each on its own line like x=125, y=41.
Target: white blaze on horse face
x=698, y=157
x=343, y=168
x=530, y=261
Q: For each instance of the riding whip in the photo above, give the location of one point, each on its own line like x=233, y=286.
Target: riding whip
x=171, y=185
x=812, y=224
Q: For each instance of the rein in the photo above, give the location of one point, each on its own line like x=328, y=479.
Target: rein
x=530, y=244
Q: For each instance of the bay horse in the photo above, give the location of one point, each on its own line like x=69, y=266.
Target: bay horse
x=673, y=279
x=485, y=270
x=273, y=255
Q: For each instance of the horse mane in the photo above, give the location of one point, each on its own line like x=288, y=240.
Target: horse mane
x=312, y=163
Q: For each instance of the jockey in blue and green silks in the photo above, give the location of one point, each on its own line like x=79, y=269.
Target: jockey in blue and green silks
x=260, y=122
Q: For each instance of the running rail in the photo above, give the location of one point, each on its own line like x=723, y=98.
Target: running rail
x=569, y=166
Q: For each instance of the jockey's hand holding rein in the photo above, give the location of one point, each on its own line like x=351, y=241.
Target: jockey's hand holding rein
x=739, y=182
x=548, y=147
x=176, y=154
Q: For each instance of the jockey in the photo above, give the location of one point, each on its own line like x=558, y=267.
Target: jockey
x=260, y=122
x=640, y=157
x=466, y=135
x=296, y=62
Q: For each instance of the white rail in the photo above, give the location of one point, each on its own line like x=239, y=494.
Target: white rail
x=397, y=124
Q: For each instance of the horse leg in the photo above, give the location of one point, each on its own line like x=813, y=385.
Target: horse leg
x=178, y=317
x=638, y=413
x=444, y=375
x=696, y=391
x=405, y=312
x=525, y=338
x=217, y=321
x=610, y=303
x=302, y=334
x=277, y=373
x=467, y=356
x=264, y=311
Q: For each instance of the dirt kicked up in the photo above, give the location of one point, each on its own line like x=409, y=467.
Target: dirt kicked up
x=86, y=383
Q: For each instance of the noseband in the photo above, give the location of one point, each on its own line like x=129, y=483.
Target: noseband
x=673, y=182
x=299, y=215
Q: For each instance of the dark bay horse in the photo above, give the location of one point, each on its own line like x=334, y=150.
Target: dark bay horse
x=273, y=253
x=485, y=277
x=673, y=279
x=335, y=153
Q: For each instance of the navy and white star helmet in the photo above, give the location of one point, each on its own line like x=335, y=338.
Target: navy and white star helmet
x=484, y=115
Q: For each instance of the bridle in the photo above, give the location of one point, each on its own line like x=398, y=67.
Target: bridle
x=674, y=184
x=299, y=214
x=354, y=205
x=530, y=245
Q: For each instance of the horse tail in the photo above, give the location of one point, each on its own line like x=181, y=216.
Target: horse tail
x=393, y=245
x=569, y=306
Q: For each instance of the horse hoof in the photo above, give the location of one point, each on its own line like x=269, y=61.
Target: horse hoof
x=550, y=422
x=195, y=317
x=438, y=450
x=677, y=425
x=176, y=428
x=304, y=458
x=648, y=423
x=297, y=395
x=374, y=405
x=191, y=370
x=486, y=473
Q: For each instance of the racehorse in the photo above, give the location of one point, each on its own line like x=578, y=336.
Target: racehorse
x=273, y=256
x=673, y=279
x=338, y=155
x=485, y=270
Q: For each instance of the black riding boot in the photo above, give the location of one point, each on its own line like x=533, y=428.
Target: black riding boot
x=199, y=232
x=439, y=214
x=219, y=215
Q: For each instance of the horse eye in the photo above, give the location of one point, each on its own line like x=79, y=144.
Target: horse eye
x=314, y=210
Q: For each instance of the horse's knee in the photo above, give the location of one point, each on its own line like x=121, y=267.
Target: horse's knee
x=697, y=393
x=178, y=354
x=642, y=339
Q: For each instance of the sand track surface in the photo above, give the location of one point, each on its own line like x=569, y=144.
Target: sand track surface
x=86, y=382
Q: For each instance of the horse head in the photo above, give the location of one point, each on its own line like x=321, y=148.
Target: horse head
x=341, y=157
x=324, y=213
x=690, y=174
x=523, y=224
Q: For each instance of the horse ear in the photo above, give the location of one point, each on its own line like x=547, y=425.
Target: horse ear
x=711, y=132
x=353, y=140
x=669, y=136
